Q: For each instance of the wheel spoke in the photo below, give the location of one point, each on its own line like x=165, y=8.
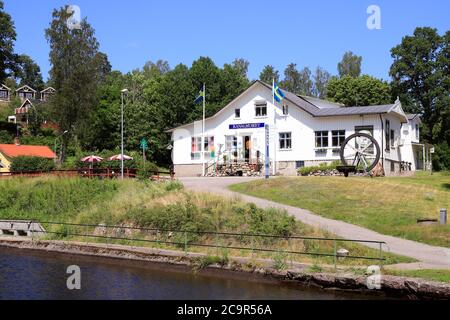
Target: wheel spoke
x=351, y=155
x=360, y=150
x=365, y=163
x=367, y=154
x=354, y=149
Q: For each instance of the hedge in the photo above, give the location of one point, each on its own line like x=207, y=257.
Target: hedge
x=32, y=164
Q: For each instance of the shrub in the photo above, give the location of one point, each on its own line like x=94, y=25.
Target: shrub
x=6, y=137
x=204, y=262
x=280, y=261
x=52, y=199
x=251, y=219
x=146, y=170
x=305, y=171
x=31, y=164
x=183, y=215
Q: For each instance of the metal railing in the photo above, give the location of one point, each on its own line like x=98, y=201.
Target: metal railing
x=187, y=239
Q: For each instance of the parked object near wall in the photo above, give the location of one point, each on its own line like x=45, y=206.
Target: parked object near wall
x=378, y=171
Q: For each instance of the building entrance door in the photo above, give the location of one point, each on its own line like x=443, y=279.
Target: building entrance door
x=247, y=148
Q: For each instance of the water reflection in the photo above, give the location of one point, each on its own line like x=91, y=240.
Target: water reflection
x=34, y=275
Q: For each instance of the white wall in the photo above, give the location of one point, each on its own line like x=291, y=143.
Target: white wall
x=301, y=125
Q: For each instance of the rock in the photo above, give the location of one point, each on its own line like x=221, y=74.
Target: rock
x=342, y=253
x=100, y=230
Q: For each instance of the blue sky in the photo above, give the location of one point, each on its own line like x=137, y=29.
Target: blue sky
x=308, y=33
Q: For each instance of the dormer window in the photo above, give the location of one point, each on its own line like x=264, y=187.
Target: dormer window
x=261, y=109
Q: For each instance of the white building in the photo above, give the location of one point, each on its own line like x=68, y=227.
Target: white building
x=304, y=131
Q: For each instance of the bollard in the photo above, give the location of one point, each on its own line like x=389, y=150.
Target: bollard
x=443, y=216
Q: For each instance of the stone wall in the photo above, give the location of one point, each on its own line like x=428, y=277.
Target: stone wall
x=188, y=170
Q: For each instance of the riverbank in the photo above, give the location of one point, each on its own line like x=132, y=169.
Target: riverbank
x=259, y=269
x=177, y=218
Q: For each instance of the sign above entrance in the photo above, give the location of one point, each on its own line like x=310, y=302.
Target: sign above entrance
x=246, y=126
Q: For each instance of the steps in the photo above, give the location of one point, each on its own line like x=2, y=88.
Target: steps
x=243, y=169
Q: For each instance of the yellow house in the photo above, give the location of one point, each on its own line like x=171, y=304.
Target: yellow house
x=11, y=151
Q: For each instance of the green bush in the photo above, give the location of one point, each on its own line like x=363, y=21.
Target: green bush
x=280, y=261
x=305, y=171
x=32, y=164
x=6, y=137
x=52, y=199
x=183, y=215
x=146, y=170
x=254, y=220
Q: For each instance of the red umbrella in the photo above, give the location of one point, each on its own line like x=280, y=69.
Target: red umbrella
x=92, y=159
x=119, y=157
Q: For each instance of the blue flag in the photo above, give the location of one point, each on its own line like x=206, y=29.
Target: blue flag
x=277, y=93
x=201, y=96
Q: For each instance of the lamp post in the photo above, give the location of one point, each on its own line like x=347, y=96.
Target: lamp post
x=58, y=138
x=121, y=130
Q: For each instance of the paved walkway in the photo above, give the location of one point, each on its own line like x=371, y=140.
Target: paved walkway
x=427, y=255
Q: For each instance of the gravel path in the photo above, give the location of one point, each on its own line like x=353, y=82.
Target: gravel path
x=427, y=255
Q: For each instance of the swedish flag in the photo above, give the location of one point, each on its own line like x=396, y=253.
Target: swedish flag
x=200, y=97
x=277, y=93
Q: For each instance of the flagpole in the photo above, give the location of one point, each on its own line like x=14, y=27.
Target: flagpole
x=203, y=130
x=274, y=137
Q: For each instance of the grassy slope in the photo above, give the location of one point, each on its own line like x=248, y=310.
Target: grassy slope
x=435, y=275
x=159, y=206
x=387, y=205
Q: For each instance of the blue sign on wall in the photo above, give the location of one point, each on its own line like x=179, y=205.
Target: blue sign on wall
x=246, y=126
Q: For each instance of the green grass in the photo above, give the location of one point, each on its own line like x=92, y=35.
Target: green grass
x=388, y=205
x=428, y=274
x=164, y=206
x=437, y=180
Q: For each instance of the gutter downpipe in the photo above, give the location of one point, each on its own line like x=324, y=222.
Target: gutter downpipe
x=382, y=140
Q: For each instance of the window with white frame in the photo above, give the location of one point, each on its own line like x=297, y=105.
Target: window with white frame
x=285, y=109
x=368, y=130
x=231, y=143
x=3, y=94
x=387, y=133
x=417, y=132
x=196, y=148
x=321, y=139
x=261, y=109
x=337, y=137
x=392, y=138
x=237, y=113
x=285, y=141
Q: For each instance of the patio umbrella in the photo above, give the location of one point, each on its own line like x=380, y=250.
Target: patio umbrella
x=119, y=157
x=92, y=159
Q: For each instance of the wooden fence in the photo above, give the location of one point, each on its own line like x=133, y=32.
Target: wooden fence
x=103, y=173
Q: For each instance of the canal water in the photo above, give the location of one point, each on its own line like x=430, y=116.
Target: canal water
x=26, y=274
